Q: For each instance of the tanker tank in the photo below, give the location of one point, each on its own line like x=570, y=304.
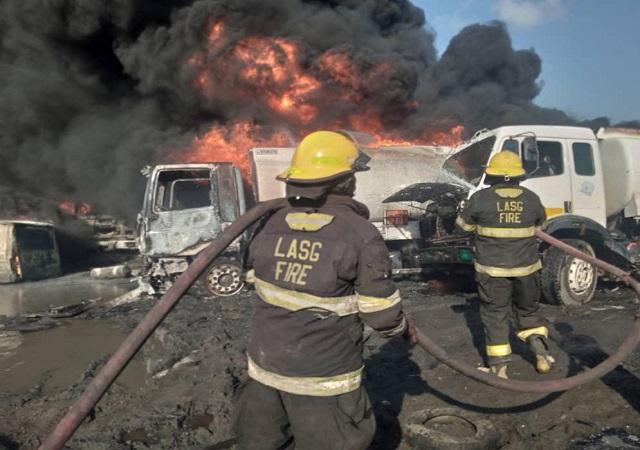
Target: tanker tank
x=620, y=153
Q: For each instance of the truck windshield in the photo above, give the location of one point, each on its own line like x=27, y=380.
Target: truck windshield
x=183, y=189
x=468, y=164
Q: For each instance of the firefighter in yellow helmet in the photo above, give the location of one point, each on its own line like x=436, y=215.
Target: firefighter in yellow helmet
x=504, y=218
x=321, y=270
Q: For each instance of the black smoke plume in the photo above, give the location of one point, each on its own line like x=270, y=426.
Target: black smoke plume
x=93, y=90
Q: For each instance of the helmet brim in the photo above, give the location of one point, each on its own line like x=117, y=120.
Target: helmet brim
x=505, y=173
x=300, y=178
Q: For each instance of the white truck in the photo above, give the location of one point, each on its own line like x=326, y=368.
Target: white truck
x=188, y=205
x=589, y=184
x=28, y=251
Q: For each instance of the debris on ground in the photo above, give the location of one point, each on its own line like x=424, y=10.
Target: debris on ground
x=195, y=360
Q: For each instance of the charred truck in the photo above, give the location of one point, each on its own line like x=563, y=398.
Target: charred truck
x=590, y=187
x=187, y=205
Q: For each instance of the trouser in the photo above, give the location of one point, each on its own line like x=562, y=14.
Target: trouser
x=505, y=298
x=269, y=419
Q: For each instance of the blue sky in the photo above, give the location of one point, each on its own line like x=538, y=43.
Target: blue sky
x=590, y=49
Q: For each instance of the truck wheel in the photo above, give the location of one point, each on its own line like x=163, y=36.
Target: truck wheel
x=223, y=278
x=566, y=279
x=450, y=429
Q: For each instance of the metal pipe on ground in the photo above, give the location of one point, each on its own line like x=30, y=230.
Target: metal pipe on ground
x=119, y=360
x=96, y=389
x=563, y=384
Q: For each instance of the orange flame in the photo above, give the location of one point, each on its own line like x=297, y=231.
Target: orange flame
x=275, y=73
x=274, y=65
x=84, y=208
x=71, y=208
x=339, y=67
x=67, y=208
x=231, y=144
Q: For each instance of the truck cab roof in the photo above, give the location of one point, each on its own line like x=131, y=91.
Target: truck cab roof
x=541, y=131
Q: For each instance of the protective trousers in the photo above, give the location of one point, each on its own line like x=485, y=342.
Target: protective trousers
x=503, y=298
x=269, y=419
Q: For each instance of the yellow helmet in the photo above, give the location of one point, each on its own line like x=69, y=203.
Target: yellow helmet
x=324, y=155
x=506, y=163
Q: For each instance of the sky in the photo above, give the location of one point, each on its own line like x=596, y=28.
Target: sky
x=590, y=49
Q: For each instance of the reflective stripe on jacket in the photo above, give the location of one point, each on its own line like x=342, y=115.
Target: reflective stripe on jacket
x=319, y=273
x=504, y=219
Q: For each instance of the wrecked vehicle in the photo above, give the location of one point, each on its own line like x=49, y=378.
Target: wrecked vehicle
x=187, y=205
x=589, y=184
x=28, y=251
x=111, y=234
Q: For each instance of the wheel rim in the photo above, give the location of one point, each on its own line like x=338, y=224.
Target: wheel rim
x=581, y=276
x=224, y=280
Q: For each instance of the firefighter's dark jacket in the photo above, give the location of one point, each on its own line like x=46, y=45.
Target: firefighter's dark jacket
x=504, y=218
x=318, y=272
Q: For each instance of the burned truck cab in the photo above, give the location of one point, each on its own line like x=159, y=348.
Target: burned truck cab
x=185, y=207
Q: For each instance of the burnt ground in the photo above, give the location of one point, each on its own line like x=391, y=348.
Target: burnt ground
x=195, y=361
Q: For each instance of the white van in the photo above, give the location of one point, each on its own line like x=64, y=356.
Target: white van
x=28, y=251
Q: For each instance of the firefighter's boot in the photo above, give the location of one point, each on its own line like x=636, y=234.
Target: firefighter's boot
x=538, y=345
x=498, y=365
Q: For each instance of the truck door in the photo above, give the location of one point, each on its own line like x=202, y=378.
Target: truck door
x=549, y=178
x=587, y=186
x=185, y=209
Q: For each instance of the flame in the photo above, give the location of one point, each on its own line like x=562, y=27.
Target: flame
x=71, y=208
x=216, y=32
x=67, y=208
x=339, y=67
x=231, y=144
x=276, y=74
x=450, y=138
x=84, y=208
x=17, y=265
x=274, y=65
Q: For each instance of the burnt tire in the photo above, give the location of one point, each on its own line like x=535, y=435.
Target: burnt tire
x=223, y=278
x=450, y=429
x=565, y=279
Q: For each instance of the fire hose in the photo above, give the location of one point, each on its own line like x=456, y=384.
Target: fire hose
x=119, y=360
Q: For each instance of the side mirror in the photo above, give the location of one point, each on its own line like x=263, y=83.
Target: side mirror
x=530, y=149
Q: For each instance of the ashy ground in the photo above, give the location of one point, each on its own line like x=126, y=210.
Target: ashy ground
x=195, y=360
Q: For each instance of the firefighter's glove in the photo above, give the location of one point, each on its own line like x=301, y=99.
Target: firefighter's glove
x=410, y=332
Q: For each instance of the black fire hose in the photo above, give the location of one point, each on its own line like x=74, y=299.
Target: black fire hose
x=562, y=384
x=119, y=360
